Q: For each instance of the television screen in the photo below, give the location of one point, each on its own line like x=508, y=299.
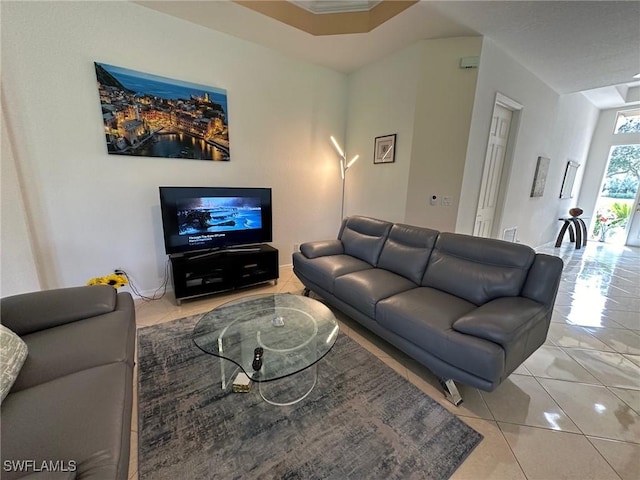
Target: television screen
x=202, y=218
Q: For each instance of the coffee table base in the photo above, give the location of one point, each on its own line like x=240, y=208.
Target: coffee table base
x=289, y=390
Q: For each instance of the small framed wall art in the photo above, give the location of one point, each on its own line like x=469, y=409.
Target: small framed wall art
x=384, y=150
x=540, y=177
x=569, y=178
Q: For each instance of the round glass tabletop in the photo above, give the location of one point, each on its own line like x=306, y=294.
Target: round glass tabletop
x=268, y=336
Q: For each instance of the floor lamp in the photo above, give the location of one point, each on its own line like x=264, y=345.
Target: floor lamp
x=344, y=166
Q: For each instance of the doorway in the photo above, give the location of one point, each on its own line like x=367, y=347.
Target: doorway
x=614, y=219
x=497, y=165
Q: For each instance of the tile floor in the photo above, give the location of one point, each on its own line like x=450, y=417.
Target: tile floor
x=571, y=411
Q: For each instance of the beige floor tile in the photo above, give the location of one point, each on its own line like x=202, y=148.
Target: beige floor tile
x=595, y=410
x=286, y=273
x=521, y=400
x=473, y=405
x=133, y=454
x=634, y=358
x=550, y=455
x=492, y=459
x=292, y=286
x=591, y=313
x=572, y=336
x=344, y=328
x=629, y=320
x=557, y=317
x=565, y=298
x=630, y=397
x=553, y=362
x=627, y=304
x=620, y=340
x=623, y=457
x=134, y=410
x=586, y=314
x=521, y=370
x=612, y=369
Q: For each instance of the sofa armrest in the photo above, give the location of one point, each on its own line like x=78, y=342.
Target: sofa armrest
x=543, y=279
x=322, y=248
x=502, y=320
x=31, y=312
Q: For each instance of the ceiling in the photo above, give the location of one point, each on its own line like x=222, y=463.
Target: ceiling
x=571, y=45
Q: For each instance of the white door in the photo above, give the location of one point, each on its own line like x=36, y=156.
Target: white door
x=492, y=173
x=633, y=231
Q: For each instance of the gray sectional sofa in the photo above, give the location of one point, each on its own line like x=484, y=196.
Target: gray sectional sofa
x=470, y=309
x=68, y=414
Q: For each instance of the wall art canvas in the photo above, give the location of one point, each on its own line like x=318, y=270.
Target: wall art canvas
x=569, y=178
x=384, y=150
x=540, y=177
x=152, y=116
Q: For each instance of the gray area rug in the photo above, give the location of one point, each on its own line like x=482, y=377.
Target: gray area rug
x=362, y=420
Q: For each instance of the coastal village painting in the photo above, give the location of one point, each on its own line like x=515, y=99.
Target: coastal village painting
x=152, y=116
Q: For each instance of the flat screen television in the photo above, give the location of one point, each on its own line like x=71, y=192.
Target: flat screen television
x=214, y=218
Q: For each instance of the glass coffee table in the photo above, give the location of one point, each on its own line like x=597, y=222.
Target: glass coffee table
x=275, y=339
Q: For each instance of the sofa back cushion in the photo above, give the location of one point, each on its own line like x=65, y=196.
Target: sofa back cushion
x=407, y=251
x=363, y=237
x=478, y=269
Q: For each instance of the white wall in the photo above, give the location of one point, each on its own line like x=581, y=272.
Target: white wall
x=381, y=101
x=421, y=94
x=549, y=126
x=94, y=212
x=441, y=129
x=19, y=273
x=573, y=133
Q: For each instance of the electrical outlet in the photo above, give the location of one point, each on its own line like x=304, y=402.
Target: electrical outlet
x=447, y=201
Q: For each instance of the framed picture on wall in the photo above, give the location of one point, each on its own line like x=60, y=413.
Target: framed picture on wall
x=384, y=150
x=569, y=178
x=147, y=115
x=540, y=177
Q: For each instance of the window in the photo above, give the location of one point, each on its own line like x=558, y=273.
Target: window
x=627, y=121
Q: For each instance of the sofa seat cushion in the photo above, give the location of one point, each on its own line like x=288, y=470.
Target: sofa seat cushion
x=13, y=353
x=424, y=316
x=76, y=346
x=83, y=417
x=324, y=270
x=364, y=289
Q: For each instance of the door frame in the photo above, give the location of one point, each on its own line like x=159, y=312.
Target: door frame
x=516, y=112
x=633, y=218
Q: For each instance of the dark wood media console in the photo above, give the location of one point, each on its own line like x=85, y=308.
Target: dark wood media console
x=203, y=273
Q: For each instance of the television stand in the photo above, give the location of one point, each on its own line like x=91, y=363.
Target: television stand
x=204, y=273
